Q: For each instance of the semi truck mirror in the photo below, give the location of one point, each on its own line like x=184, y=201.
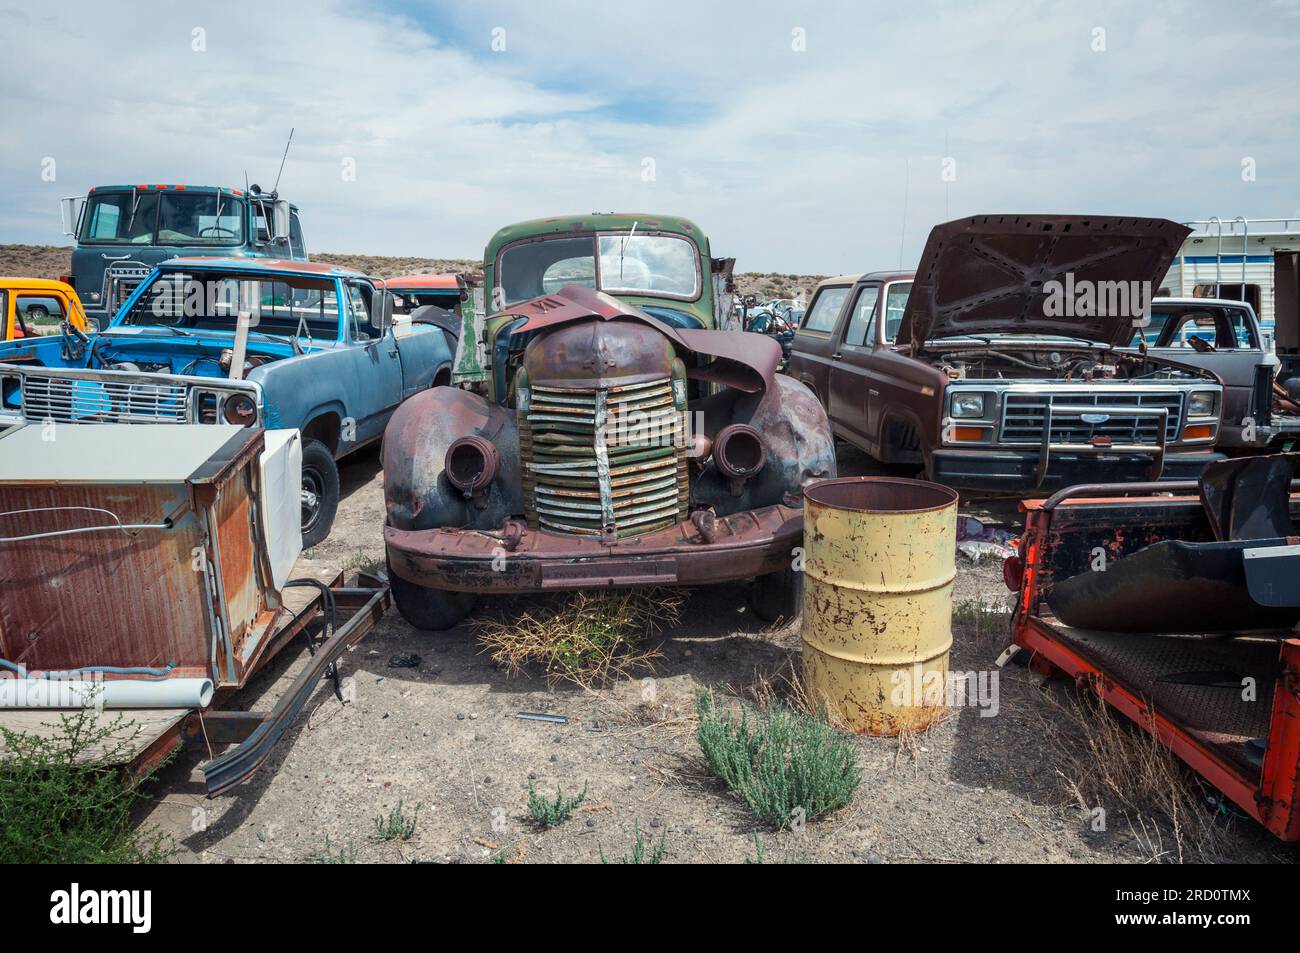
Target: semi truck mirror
x=70, y=214
x=280, y=223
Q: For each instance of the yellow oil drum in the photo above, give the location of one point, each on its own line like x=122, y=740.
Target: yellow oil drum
x=879, y=562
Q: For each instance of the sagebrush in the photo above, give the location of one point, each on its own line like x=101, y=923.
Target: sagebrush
x=64, y=799
x=550, y=814
x=642, y=851
x=397, y=824
x=785, y=765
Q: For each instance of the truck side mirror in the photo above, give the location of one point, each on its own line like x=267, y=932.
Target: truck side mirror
x=381, y=310
x=70, y=214
x=280, y=221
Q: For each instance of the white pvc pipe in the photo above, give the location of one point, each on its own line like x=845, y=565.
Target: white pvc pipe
x=105, y=693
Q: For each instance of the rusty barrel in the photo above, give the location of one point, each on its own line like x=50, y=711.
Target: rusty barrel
x=879, y=562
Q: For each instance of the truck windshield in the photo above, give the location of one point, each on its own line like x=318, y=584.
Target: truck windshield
x=621, y=263
x=163, y=218
x=203, y=300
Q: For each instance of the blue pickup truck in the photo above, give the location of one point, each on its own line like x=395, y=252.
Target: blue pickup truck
x=281, y=344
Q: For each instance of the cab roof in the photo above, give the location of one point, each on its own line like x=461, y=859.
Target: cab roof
x=883, y=276
x=595, y=222
x=274, y=265
x=425, y=282
x=182, y=188
x=34, y=284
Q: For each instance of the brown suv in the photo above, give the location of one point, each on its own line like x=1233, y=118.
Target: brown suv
x=986, y=366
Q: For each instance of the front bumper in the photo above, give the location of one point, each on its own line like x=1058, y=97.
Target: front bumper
x=1016, y=470
x=747, y=544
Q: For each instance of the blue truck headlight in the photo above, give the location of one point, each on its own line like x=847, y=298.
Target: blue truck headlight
x=968, y=405
x=1203, y=403
x=240, y=409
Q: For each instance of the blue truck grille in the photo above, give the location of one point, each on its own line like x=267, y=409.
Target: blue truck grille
x=66, y=400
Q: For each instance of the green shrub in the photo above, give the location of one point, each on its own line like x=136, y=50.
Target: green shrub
x=778, y=761
x=639, y=855
x=63, y=800
x=552, y=813
x=333, y=854
x=397, y=824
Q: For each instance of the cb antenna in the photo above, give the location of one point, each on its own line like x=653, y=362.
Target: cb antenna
x=275, y=189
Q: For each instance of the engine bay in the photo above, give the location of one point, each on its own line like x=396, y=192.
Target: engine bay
x=1077, y=364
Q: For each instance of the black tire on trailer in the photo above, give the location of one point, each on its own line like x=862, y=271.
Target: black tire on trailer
x=431, y=610
x=320, y=492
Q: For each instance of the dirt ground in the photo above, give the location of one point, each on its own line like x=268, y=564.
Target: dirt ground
x=445, y=736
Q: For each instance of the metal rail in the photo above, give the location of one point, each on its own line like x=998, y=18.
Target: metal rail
x=265, y=729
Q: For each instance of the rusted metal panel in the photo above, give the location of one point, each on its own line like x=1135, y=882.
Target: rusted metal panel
x=171, y=589
x=877, y=614
x=241, y=582
x=103, y=598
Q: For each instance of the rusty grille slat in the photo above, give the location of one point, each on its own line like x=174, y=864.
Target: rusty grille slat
x=577, y=478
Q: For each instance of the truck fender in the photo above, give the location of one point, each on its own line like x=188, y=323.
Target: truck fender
x=325, y=423
x=797, y=439
x=417, y=494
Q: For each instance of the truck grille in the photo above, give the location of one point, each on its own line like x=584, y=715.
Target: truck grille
x=598, y=460
x=1022, y=418
x=67, y=400
x=119, y=281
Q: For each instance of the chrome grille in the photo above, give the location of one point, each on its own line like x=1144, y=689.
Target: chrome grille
x=119, y=281
x=600, y=460
x=1022, y=418
x=68, y=400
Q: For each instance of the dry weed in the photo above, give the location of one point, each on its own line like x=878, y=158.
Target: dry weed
x=1108, y=763
x=590, y=639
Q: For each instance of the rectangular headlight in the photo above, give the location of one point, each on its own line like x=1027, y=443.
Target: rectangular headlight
x=968, y=405
x=1203, y=403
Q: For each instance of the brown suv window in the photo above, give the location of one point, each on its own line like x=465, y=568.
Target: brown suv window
x=862, y=321
x=825, y=309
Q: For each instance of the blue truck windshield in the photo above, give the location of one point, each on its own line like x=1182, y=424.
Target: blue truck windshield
x=212, y=300
x=163, y=218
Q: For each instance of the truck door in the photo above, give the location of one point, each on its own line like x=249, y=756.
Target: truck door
x=849, y=384
x=377, y=387
x=814, y=342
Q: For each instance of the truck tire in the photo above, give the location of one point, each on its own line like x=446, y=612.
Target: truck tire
x=778, y=595
x=432, y=610
x=320, y=492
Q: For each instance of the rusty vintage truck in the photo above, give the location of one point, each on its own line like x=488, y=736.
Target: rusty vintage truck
x=990, y=368
x=600, y=431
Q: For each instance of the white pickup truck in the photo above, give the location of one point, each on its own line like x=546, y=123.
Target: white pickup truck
x=1223, y=336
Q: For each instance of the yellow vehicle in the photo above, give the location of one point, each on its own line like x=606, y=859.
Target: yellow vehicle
x=33, y=306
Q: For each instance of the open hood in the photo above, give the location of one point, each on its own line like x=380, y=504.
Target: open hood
x=993, y=274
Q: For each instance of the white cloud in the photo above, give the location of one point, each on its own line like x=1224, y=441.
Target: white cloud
x=792, y=161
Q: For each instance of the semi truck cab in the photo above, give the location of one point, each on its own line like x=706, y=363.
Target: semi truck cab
x=123, y=231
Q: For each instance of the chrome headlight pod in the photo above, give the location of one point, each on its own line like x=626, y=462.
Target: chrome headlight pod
x=967, y=404
x=1203, y=403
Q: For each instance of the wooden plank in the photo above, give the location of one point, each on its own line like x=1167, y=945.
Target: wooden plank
x=298, y=598
x=133, y=729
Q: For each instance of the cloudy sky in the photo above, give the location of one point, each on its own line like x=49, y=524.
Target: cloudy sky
x=809, y=137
